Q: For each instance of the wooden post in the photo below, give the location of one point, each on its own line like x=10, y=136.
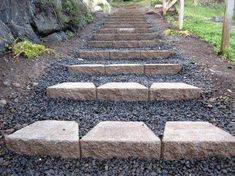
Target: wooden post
x=181, y=15
x=164, y=4
x=227, y=25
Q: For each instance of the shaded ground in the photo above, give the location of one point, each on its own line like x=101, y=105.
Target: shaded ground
x=34, y=105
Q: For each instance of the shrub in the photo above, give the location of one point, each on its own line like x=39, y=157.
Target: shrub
x=88, y=17
x=29, y=49
x=154, y=2
x=70, y=7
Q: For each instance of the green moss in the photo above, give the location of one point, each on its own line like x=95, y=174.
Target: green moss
x=29, y=49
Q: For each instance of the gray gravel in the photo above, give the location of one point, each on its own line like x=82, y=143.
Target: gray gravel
x=37, y=106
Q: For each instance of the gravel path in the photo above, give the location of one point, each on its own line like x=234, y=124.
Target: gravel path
x=37, y=106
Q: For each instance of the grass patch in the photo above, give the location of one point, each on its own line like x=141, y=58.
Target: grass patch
x=198, y=21
x=29, y=49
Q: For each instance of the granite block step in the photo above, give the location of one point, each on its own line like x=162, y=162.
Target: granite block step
x=125, y=44
x=73, y=90
x=122, y=91
x=196, y=140
x=125, y=30
x=130, y=36
x=121, y=140
x=124, y=54
x=46, y=138
x=174, y=91
x=114, y=69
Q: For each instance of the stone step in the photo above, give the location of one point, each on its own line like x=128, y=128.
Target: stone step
x=122, y=91
x=53, y=138
x=90, y=69
x=124, y=54
x=126, y=26
x=142, y=25
x=132, y=17
x=196, y=140
x=119, y=21
x=114, y=69
x=174, y=91
x=108, y=139
x=127, y=17
x=73, y=90
x=125, y=44
x=127, y=22
x=126, y=30
x=130, y=36
x=122, y=140
x=138, y=69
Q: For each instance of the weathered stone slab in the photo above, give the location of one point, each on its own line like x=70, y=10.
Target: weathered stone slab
x=116, y=30
x=128, y=36
x=117, y=21
x=124, y=54
x=101, y=44
x=124, y=69
x=196, y=140
x=87, y=69
x=122, y=91
x=127, y=18
x=126, y=30
x=122, y=140
x=73, y=90
x=49, y=137
x=154, y=54
x=156, y=69
x=174, y=91
x=90, y=54
x=135, y=44
x=124, y=44
x=126, y=25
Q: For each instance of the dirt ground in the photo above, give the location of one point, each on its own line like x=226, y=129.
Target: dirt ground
x=18, y=75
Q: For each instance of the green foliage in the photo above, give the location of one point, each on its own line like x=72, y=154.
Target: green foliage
x=70, y=7
x=170, y=32
x=69, y=34
x=29, y=49
x=198, y=21
x=154, y=2
x=46, y=3
x=88, y=17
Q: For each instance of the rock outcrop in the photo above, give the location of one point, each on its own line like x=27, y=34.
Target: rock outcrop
x=36, y=19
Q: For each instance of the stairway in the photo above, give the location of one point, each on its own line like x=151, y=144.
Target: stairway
x=125, y=36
